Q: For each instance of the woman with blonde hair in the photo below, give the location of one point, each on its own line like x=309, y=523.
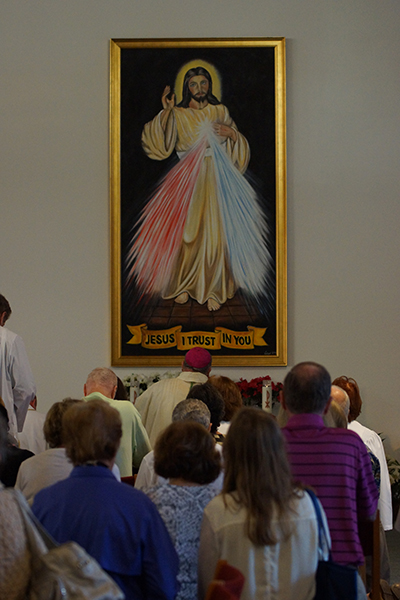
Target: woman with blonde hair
x=262, y=524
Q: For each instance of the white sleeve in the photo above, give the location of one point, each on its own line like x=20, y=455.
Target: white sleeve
x=115, y=471
x=326, y=542
x=208, y=557
x=23, y=385
x=146, y=476
x=385, y=492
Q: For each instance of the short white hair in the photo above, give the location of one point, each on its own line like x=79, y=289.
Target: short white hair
x=102, y=377
x=192, y=410
x=342, y=398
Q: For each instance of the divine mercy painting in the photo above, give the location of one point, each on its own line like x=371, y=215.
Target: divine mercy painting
x=198, y=201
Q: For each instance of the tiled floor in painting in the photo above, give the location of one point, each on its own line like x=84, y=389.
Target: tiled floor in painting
x=235, y=314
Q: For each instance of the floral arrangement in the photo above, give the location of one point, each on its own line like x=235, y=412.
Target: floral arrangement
x=252, y=390
x=142, y=382
x=394, y=475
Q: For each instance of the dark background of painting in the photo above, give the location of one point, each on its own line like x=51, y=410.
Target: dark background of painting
x=248, y=90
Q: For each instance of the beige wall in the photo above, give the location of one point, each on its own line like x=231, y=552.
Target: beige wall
x=343, y=91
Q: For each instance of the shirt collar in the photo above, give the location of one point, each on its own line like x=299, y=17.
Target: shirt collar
x=305, y=420
x=193, y=377
x=91, y=471
x=97, y=396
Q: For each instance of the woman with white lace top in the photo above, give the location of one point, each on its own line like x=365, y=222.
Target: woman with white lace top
x=185, y=455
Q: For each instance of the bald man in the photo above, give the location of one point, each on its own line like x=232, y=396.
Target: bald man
x=102, y=384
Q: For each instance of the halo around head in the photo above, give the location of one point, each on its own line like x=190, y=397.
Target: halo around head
x=216, y=80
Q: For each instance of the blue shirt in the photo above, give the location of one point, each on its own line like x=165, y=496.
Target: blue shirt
x=117, y=525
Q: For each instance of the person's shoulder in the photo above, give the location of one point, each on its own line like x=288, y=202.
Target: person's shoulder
x=221, y=109
x=53, y=457
x=159, y=490
x=363, y=431
x=36, y=416
x=326, y=435
x=28, y=464
x=9, y=336
x=125, y=407
x=148, y=459
x=347, y=442
x=97, y=396
x=154, y=387
x=340, y=435
x=189, y=377
x=165, y=382
x=303, y=504
x=34, y=419
x=54, y=492
x=219, y=503
x=142, y=504
x=209, y=492
x=352, y=435
x=178, y=497
x=223, y=510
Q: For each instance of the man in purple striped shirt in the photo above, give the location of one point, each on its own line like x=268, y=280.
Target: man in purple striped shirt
x=334, y=462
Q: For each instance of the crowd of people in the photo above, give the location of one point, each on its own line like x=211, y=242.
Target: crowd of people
x=215, y=480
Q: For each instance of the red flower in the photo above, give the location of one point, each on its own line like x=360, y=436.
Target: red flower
x=253, y=387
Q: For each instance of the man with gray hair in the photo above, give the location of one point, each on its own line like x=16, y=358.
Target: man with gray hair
x=186, y=410
x=192, y=410
x=102, y=384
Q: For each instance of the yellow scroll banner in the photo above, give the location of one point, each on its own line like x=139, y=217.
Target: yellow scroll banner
x=211, y=340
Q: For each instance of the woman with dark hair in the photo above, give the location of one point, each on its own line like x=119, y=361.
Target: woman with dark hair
x=261, y=523
x=186, y=455
x=231, y=396
x=212, y=398
x=15, y=558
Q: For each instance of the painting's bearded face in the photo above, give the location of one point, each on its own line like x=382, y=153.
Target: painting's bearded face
x=198, y=87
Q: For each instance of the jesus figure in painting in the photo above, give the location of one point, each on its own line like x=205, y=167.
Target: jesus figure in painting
x=202, y=234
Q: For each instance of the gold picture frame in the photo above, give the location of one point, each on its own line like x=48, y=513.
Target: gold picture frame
x=198, y=246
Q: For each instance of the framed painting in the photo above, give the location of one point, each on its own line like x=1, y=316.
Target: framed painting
x=198, y=200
